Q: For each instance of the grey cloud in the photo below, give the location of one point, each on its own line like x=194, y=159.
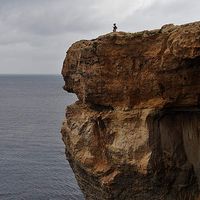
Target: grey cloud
x=49, y=17
x=163, y=12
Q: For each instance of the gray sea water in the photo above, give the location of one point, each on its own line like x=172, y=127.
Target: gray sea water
x=32, y=160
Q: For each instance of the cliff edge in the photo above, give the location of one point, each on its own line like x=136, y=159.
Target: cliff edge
x=135, y=131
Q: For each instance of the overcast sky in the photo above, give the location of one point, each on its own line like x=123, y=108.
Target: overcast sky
x=35, y=34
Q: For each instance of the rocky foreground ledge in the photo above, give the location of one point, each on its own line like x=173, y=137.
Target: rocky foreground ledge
x=135, y=131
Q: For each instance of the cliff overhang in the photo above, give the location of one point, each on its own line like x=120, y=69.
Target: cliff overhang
x=134, y=133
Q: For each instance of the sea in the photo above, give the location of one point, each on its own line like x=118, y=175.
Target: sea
x=33, y=165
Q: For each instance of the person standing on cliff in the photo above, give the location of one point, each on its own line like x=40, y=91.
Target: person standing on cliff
x=114, y=28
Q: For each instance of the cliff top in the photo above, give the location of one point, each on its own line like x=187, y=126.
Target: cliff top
x=148, y=68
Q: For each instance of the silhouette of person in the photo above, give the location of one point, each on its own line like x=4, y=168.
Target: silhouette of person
x=114, y=28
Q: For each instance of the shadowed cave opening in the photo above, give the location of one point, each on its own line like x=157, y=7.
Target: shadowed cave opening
x=175, y=144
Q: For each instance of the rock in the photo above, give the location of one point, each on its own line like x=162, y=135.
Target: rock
x=134, y=133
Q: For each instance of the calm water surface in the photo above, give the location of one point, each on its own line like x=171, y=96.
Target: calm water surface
x=32, y=159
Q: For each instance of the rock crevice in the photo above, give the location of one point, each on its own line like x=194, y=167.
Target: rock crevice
x=134, y=132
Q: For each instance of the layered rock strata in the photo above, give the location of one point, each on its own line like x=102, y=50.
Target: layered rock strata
x=134, y=133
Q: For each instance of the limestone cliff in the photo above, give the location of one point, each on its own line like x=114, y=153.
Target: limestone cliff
x=135, y=131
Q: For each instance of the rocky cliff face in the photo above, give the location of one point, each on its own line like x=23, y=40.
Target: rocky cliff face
x=135, y=131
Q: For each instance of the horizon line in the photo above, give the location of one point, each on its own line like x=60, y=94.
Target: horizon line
x=28, y=74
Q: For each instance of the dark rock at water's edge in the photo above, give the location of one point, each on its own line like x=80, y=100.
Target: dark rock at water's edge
x=135, y=131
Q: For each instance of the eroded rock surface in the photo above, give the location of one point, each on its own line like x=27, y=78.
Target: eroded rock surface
x=135, y=131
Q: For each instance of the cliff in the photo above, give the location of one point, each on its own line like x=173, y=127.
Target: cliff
x=135, y=131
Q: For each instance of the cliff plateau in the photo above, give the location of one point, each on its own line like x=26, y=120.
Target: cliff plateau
x=134, y=133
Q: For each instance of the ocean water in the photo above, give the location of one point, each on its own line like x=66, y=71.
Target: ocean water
x=32, y=160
